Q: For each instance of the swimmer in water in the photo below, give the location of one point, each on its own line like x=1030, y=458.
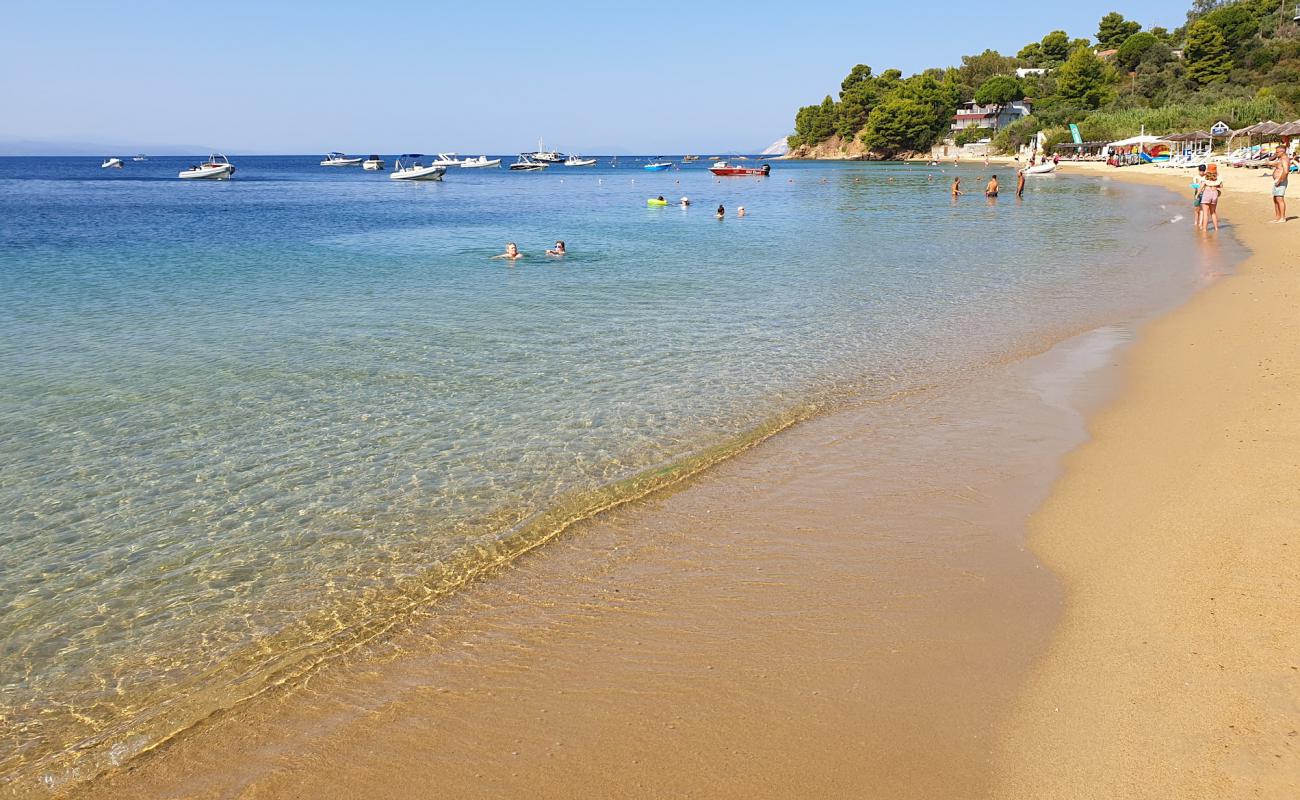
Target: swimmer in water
x=661, y=199
x=740, y=212
x=686, y=202
x=722, y=212
x=559, y=249
x=511, y=253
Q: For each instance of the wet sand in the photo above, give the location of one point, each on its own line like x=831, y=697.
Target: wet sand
x=1175, y=672
x=845, y=610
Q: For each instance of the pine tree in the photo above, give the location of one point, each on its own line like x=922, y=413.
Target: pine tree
x=1206, y=54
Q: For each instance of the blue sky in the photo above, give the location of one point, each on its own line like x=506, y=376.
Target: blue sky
x=294, y=77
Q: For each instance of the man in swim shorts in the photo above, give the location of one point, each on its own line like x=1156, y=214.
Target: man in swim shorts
x=1281, y=175
x=992, y=189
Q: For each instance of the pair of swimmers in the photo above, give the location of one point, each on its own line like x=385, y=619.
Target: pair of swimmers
x=722, y=212
x=991, y=190
x=512, y=251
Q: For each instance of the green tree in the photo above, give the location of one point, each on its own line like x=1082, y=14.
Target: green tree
x=854, y=107
x=814, y=124
x=1000, y=90
x=858, y=76
x=1237, y=24
x=1055, y=48
x=1031, y=54
x=974, y=70
x=899, y=123
x=1133, y=48
x=1083, y=79
x=1206, y=54
x=1113, y=30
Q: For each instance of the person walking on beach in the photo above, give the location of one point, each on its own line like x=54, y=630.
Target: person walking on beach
x=991, y=190
x=1281, y=175
x=1020, y=184
x=1211, y=191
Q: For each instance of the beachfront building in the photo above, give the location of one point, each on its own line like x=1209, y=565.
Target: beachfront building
x=994, y=117
x=1025, y=72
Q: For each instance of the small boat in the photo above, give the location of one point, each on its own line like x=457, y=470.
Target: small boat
x=689, y=159
x=1042, y=169
x=373, y=164
x=216, y=168
x=340, y=160
x=140, y=157
x=715, y=158
x=527, y=163
x=658, y=166
x=447, y=160
x=579, y=161
x=481, y=161
x=111, y=163
x=724, y=168
x=407, y=167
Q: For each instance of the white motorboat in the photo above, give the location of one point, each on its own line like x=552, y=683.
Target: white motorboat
x=579, y=161
x=340, y=160
x=216, y=168
x=447, y=160
x=527, y=163
x=373, y=164
x=141, y=157
x=111, y=163
x=1045, y=168
x=407, y=167
x=481, y=161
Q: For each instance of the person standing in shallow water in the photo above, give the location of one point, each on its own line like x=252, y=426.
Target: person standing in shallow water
x=956, y=187
x=991, y=190
x=1020, y=183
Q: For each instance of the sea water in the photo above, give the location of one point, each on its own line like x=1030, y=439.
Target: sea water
x=245, y=425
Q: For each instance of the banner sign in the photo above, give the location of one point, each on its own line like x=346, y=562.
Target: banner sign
x=1074, y=131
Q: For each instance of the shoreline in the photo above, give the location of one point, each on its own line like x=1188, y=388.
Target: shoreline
x=794, y=587
x=175, y=761
x=1175, y=671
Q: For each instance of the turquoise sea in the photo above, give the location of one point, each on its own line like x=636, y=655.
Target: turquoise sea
x=246, y=425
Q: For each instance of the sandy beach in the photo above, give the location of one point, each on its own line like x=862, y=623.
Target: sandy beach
x=753, y=633
x=1175, y=671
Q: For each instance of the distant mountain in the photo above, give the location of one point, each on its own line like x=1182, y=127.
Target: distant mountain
x=51, y=147
x=778, y=148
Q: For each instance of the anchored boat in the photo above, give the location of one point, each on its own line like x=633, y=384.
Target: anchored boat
x=527, y=163
x=407, y=167
x=340, y=160
x=481, y=161
x=579, y=161
x=725, y=168
x=658, y=165
x=111, y=163
x=216, y=168
x=373, y=164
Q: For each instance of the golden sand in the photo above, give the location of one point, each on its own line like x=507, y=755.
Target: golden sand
x=1175, y=672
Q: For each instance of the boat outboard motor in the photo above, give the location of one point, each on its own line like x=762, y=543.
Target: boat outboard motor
x=767, y=169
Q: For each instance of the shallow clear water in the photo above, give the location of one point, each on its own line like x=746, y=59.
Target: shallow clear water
x=245, y=424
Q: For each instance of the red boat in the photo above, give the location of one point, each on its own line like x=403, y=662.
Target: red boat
x=723, y=168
